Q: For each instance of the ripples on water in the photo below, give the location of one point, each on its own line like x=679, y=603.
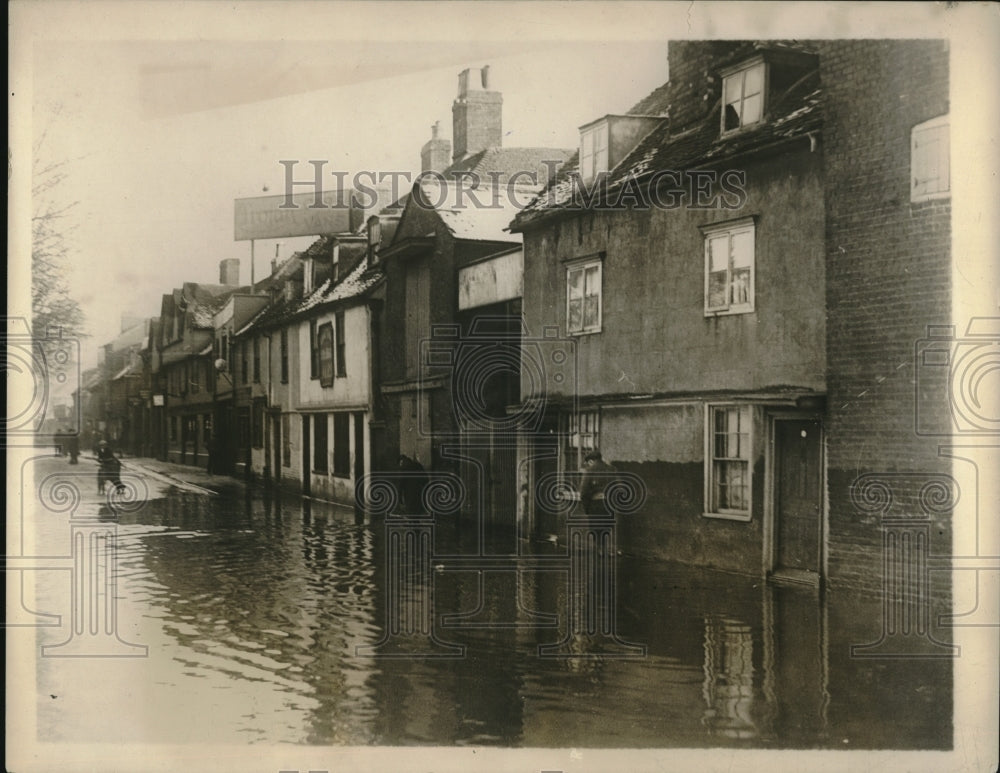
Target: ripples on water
x=270, y=597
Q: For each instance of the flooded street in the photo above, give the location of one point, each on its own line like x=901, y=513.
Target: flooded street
x=278, y=620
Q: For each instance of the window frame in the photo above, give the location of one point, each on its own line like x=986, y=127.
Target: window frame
x=729, y=228
x=256, y=359
x=590, y=168
x=582, y=265
x=741, y=71
x=711, y=510
x=929, y=125
x=339, y=345
x=576, y=441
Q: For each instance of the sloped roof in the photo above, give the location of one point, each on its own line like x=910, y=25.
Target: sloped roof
x=501, y=164
x=356, y=283
x=203, y=300
x=794, y=113
x=477, y=214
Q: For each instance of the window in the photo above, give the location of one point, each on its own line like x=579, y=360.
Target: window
x=325, y=337
x=583, y=297
x=583, y=434
x=930, y=166
x=173, y=428
x=286, y=440
x=729, y=268
x=195, y=383
x=319, y=443
x=313, y=350
x=258, y=424
x=338, y=321
x=256, y=359
x=284, y=355
x=594, y=151
x=206, y=428
x=244, y=369
x=728, y=459
x=342, y=445
x=743, y=97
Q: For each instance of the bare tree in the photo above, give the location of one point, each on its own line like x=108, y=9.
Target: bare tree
x=52, y=227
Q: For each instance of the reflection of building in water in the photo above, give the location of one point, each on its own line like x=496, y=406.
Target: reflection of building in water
x=729, y=672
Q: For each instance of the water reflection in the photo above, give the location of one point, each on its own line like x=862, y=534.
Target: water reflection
x=285, y=601
x=729, y=678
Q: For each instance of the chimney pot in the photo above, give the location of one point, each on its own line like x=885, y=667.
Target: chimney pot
x=486, y=77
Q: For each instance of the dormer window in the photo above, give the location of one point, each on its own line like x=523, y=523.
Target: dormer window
x=743, y=97
x=594, y=150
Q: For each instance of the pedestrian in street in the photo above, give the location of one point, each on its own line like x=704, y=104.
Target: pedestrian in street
x=411, y=485
x=109, y=470
x=73, y=445
x=597, y=476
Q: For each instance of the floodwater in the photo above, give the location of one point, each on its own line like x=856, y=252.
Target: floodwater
x=271, y=619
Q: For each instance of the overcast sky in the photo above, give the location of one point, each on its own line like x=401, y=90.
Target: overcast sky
x=169, y=111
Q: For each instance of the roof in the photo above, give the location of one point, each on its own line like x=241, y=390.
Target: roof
x=475, y=214
x=203, y=300
x=500, y=164
x=794, y=113
x=355, y=284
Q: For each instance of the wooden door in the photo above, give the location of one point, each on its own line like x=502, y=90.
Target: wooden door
x=798, y=494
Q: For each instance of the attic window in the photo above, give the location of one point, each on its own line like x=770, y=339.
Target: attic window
x=743, y=97
x=594, y=151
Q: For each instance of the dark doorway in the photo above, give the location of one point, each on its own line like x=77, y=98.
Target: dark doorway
x=798, y=496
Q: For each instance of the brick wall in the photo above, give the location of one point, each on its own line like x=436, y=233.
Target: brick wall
x=888, y=277
x=694, y=86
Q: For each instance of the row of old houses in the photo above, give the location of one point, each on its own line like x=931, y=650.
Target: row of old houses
x=720, y=289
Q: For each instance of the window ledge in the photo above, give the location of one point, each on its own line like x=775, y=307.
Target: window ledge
x=744, y=517
x=584, y=333
x=925, y=197
x=729, y=312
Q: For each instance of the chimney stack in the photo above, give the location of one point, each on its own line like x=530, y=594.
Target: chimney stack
x=476, y=114
x=229, y=272
x=435, y=155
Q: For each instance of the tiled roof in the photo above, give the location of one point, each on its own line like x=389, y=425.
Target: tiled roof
x=470, y=221
x=794, y=113
x=654, y=103
x=356, y=283
x=203, y=300
x=501, y=163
